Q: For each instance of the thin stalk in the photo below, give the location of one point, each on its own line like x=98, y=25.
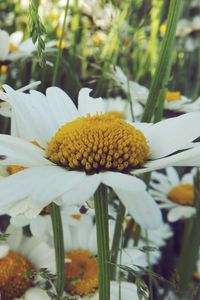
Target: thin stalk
x=101, y=213
x=163, y=69
x=59, y=247
x=116, y=239
x=59, y=54
x=191, y=247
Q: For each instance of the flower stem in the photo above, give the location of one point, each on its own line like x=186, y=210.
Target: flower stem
x=116, y=239
x=59, y=54
x=59, y=247
x=163, y=69
x=101, y=213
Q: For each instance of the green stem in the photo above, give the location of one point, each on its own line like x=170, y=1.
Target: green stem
x=150, y=279
x=191, y=247
x=101, y=213
x=163, y=69
x=59, y=247
x=59, y=54
x=116, y=239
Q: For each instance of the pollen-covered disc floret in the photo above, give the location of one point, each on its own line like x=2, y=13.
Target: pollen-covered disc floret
x=182, y=194
x=13, y=279
x=98, y=143
x=81, y=276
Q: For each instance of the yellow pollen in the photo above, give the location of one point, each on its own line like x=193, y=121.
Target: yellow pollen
x=81, y=276
x=3, y=69
x=13, y=280
x=173, y=96
x=13, y=48
x=14, y=169
x=76, y=217
x=182, y=194
x=98, y=143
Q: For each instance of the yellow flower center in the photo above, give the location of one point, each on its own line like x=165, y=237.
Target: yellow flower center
x=81, y=276
x=13, y=280
x=173, y=96
x=13, y=48
x=182, y=194
x=98, y=143
x=3, y=69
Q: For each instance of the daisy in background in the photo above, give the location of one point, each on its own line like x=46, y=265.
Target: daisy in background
x=174, y=100
x=81, y=279
x=73, y=151
x=13, y=47
x=174, y=193
x=153, y=238
x=25, y=255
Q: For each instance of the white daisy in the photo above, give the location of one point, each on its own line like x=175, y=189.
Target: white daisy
x=99, y=149
x=174, y=193
x=121, y=108
x=81, y=279
x=25, y=255
x=155, y=239
x=173, y=101
x=13, y=47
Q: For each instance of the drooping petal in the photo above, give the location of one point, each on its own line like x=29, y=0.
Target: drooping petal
x=82, y=192
x=62, y=107
x=15, y=151
x=138, y=202
x=171, y=135
x=57, y=182
x=89, y=105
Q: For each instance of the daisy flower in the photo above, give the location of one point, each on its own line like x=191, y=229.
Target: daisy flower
x=25, y=255
x=174, y=100
x=174, y=193
x=121, y=108
x=81, y=278
x=13, y=47
x=73, y=151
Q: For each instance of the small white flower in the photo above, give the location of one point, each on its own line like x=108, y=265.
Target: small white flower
x=174, y=193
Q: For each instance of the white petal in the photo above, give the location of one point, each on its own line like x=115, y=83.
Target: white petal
x=89, y=105
x=180, y=212
x=38, y=226
x=132, y=192
x=82, y=192
x=20, y=185
x=31, y=115
x=171, y=135
x=15, y=151
x=35, y=293
x=172, y=176
x=62, y=107
x=5, y=109
x=190, y=158
x=57, y=182
x=16, y=37
x=128, y=291
x=20, y=221
x=4, y=42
